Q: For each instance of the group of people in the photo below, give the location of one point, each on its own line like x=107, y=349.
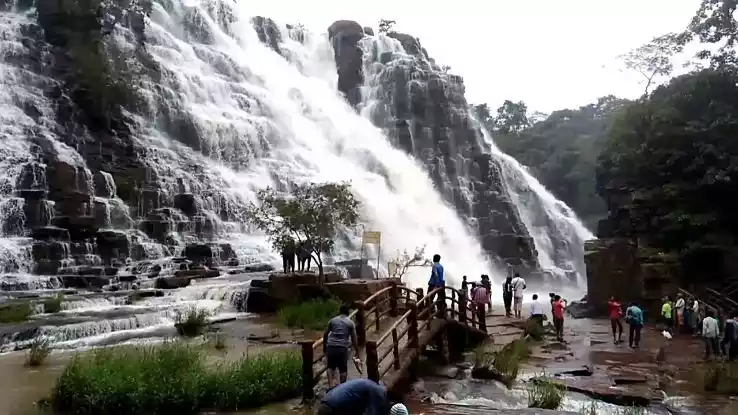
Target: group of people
x=292, y=250
x=687, y=316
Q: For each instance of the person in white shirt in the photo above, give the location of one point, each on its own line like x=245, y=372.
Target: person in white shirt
x=537, y=311
x=711, y=333
x=518, y=285
x=695, y=317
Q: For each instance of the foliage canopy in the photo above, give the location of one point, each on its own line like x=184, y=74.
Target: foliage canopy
x=312, y=215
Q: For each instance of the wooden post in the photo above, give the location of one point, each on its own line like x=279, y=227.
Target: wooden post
x=419, y=291
x=442, y=344
x=360, y=323
x=395, y=350
x=412, y=329
x=377, y=313
x=394, y=294
x=372, y=361
x=308, y=380
x=454, y=301
x=462, y=307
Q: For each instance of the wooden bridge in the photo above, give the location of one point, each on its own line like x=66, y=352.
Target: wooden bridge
x=394, y=326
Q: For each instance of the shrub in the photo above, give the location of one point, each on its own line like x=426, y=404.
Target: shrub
x=507, y=361
x=172, y=379
x=534, y=330
x=37, y=354
x=312, y=315
x=53, y=304
x=545, y=393
x=191, y=322
x=15, y=312
x=218, y=341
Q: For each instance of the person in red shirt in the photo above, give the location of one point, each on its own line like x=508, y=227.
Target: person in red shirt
x=616, y=313
x=558, y=317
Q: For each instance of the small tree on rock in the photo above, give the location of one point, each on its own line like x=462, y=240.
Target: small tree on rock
x=312, y=216
x=399, y=265
x=654, y=59
x=385, y=26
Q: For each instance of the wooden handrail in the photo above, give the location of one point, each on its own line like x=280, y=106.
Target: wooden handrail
x=442, y=303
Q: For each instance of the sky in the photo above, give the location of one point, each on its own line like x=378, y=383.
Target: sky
x=552, y=54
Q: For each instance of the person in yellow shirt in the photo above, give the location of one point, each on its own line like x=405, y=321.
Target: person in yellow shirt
x=667, y=314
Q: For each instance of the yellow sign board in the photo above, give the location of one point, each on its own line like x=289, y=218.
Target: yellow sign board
x=371, y=237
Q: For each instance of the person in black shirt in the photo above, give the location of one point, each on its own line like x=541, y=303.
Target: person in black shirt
x=507, y=295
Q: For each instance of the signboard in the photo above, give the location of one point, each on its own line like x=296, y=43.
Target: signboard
x=371, y=237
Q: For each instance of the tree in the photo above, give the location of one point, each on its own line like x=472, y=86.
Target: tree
x=654, y=59
x=715, y=23
x=312, y=215
x=399, y=265
x=675, y=153
x=385, y=26
x=512, y=117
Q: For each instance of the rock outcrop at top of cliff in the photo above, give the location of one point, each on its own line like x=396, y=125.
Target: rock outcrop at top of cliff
x=423, y=110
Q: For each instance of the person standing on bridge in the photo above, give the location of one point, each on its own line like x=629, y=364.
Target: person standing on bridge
x=338, y=336
x=436, y=278
x=355, y=397
x=518, y=285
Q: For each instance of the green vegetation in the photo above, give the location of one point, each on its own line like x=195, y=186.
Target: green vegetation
x=311, y=215
x=37, y=354
x=172, y=378
x=192, y=322
x=546, y=393
x=311, y=315
x=506, y=362
x=218, y=341
x=16, y=312
x=53, y=304
x=533, y=330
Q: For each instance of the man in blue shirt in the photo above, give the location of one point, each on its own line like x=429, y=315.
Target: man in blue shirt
x=355, y=397
x=634, y=318
x=436, y=278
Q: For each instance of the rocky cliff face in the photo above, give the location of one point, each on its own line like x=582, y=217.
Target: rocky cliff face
x=93, y=187
x=423, y=110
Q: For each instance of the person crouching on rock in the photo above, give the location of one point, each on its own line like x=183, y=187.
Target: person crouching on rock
x=480, y=299
x=537, y=311
x=355, y=397
x=338, y=336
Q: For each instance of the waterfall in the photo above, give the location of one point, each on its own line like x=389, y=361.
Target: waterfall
x=228, y=108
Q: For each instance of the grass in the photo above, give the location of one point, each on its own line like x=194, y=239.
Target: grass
x=534, y=330
x=505, y=362
x=15, y=312
x=545, y=393
x=218, y=341
x=172, y=379
x=37, y=354
x=53, y=304
x=192, y=322
x=311, y=315
x=592, y=409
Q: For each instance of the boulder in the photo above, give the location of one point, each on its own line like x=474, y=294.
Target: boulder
x=199, y=253
x=259, y=267
x=345, y=36
x=284, y=287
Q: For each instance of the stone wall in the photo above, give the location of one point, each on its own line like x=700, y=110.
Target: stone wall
x=617, y=266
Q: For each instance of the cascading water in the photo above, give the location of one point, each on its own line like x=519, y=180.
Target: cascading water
x=228, y=108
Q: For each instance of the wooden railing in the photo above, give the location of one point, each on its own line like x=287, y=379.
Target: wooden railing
x=401, y=342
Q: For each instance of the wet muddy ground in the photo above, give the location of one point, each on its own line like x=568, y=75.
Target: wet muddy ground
x=612, y=371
